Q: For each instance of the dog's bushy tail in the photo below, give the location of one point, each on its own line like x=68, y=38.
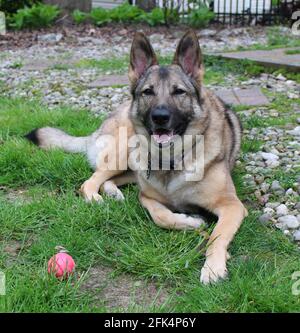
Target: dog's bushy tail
x=49, y=137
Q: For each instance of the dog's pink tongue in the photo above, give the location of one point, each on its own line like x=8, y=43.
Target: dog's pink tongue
x=162, y=138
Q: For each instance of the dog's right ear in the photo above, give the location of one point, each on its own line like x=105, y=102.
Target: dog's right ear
x=142, y=57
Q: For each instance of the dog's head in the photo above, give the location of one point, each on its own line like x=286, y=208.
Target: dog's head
x=166, y=99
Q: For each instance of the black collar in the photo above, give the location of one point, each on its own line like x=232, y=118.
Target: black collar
x=172, y=163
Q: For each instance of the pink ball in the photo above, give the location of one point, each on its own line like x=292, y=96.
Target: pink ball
x=61, y=264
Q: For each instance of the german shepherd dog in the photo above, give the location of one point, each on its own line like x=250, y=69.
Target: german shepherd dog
x=168, y=102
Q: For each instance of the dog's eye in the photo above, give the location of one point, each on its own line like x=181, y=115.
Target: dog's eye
x=178, y=91
x=148, y=92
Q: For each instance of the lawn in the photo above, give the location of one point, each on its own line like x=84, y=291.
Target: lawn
x=40, y=209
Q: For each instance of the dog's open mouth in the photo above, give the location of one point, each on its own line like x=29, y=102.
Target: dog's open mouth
x=161, y=136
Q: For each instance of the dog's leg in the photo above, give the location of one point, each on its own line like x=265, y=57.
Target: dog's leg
x=110, y=187
x=165, y=218
x=90, y=188
x=230, y=212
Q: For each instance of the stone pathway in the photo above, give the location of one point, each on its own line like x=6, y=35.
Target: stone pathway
x=250, y=97
x=274, y=58
x=47, y=64
x=109, y=81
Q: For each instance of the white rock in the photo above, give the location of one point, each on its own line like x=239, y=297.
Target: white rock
x=265, y=218
x=272, y=204
x=207, y=33
x=295, y=131
x=264, y=187
x=296, y=235
x=290, y=191
x=269, y=211
x=269, y=156
x=274, y=151
x=292, y=95
x=276, y=186
x=290, y=83
x=272, y=164
x=280, y=77
x=289, y=221
x=50, y=38
x=281, y=226
x=282, y=210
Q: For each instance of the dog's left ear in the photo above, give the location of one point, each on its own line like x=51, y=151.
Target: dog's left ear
x=189, y=57
x=142, y=57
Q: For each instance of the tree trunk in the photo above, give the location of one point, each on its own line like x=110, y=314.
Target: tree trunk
x=70, y=5
x=146, y=5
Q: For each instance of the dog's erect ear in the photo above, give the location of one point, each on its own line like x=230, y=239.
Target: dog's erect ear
x=189, y=57
x=142, y=57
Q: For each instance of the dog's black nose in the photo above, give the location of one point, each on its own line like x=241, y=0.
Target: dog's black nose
x=160, y=116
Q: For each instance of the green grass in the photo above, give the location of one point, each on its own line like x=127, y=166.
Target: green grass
x=275, y=39
x=216, y=68
x=118, y=235
x=289, y=52
x=251, y=146
x=279, y=102
x=114, y=64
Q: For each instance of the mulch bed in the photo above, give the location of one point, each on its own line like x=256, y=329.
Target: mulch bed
x=26, y=38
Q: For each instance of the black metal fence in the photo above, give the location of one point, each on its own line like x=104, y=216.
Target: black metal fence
x=246, y=12
x=239, y=12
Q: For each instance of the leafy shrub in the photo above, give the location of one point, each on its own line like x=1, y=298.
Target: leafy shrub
x=155, y=17
x=171, y=16
x=199, y=18
x=79, y=16
x=37, y=16
x=12, y=6
x=100, y=16
x=126, y=13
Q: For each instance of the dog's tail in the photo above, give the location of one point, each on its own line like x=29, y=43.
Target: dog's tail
x=49, y=137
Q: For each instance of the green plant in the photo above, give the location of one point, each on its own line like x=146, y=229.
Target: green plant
x=171, y=15
x=37, y=16
x=79, y=16
x=155, y=17
x=126, y=13
x=290, y=52
x=12, y=6
x=199, y=18
x=100, y=16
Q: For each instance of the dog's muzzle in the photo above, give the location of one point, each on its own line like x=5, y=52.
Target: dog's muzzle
x=161, y=119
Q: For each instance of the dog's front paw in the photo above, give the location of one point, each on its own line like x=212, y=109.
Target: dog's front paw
x=93, y=197
x=113, y=191
x=213, y=270
x=186, y=222
x=89, y=195
x=117, y=195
